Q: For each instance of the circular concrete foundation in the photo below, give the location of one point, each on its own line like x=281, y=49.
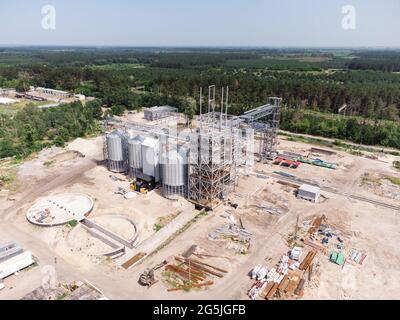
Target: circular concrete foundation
x=60, y=209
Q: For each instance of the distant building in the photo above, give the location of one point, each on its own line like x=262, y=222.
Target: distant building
x=309, y=193
x=156, y=113
x=53, y=92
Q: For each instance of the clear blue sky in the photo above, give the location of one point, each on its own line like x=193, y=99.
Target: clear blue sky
x=201, y=23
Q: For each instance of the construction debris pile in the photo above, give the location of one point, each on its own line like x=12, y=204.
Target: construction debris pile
x=238, y=237
x=264, y=208
x=326, y=238
x=190, y=273
x=286, y=279
x=77, y=290
x=318, y=235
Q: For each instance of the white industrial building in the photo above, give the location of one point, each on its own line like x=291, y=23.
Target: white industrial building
x=53, y=92
x=13, y=259
x=156, y=113
x=309, y=193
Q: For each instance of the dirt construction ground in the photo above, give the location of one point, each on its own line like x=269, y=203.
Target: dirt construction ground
x=75, y=255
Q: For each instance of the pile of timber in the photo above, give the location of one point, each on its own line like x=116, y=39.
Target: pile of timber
x=188, y=287
x=204, y=267
x=291, y=284
x=305, y=264
x=316, y=224
x=194, y=273
x=299, y=290
x=186, y=274
x=134, y=260
x=270, y=290
x=286, y=288
x=315, y=245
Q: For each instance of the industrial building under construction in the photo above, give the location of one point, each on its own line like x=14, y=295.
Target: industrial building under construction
x=201, y=164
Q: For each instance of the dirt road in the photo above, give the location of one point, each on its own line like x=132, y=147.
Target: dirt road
x=42, y=186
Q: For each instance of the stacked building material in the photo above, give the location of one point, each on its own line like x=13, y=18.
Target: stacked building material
x=337, y=257
x=295, y=254
x=257, y=289
x=233, y=231
x=193, y=273
x=357, y=256
x=307, y=260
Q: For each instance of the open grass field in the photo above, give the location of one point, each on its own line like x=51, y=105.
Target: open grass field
x=12, y=109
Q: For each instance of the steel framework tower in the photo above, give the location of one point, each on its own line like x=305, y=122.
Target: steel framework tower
x=265, y=121
x=214, y=151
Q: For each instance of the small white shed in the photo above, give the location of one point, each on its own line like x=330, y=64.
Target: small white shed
x=309, y=193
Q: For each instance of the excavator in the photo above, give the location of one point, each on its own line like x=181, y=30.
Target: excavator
x=147, y=277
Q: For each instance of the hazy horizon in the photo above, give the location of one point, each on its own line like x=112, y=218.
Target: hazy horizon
x=190, y=24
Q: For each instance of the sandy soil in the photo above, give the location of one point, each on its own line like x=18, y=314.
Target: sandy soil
x=116, y=224
x=365, y=227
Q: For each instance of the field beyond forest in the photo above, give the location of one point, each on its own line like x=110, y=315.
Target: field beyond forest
x=314, y=84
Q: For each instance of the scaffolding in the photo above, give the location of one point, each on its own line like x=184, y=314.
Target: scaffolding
x=265, y=121
x=218, y=151
x=214, y=153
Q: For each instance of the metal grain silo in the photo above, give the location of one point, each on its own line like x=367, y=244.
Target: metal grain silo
x=174, y=173
x=151, y=158
x=116, y=152
x=135, y=155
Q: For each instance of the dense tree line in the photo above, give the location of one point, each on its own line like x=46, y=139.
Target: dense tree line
x=359, y=130
x=172, y=76
x=32, y=128
x=372, y=94
x=387, y=61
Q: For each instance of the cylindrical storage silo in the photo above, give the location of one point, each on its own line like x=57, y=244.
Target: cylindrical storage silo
x=116, y=153
x=135, y=155
x=174, y=173
x=151, y=158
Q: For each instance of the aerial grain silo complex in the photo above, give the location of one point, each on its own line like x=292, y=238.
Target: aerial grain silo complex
x=202, y=164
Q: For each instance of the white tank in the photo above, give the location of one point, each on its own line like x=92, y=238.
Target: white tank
x=174, y=172
x=116, y=155
x=114, y=147
x=173, y=169
x=135, y=152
